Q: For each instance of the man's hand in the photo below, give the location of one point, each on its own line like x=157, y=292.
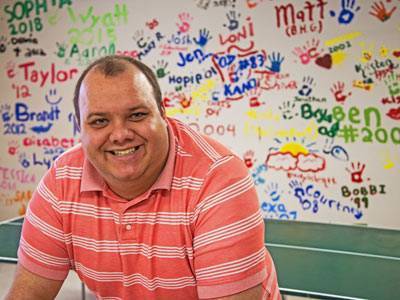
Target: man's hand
x=30, y=286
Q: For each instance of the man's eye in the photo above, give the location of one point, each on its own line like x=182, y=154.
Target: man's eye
x=138, y=116
x=98, y=122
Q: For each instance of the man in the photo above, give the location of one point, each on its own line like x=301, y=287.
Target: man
x=144, y=208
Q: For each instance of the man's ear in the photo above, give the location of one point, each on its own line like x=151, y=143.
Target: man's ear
x=163, y=111
x=77, y=122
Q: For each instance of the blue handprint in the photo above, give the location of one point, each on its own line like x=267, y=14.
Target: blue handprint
x=306, y=88
x=272, y=192
x=276, y=61
x=347, y=11
x=6, y=115
x=204, y=37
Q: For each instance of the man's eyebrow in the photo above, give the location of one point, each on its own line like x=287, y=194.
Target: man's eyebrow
x=103, y=114
x=96, y=114
x=137, y=107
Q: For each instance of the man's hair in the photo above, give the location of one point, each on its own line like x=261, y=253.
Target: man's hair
x=114, y=65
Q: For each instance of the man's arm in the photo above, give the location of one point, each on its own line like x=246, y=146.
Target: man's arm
x=228, y=218
x=254, y=293
x=27, y=285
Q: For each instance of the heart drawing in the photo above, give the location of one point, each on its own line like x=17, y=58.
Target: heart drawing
x=324, y=61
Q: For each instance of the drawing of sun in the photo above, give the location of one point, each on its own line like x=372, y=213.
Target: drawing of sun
x=294, y=146
x=295, y=155
x=294, y=149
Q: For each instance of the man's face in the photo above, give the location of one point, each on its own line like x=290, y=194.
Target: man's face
x=123, y=132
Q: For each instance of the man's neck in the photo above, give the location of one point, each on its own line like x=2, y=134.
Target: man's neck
x=129, y=191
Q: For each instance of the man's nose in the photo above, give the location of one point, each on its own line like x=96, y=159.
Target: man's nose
x=121, y=133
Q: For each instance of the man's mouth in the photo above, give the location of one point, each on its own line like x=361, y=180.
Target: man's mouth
x=124, y=152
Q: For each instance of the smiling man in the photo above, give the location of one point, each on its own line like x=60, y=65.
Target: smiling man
x=144, y=207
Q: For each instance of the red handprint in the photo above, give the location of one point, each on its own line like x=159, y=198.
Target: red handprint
x=337, y=91
x=379, y=11
x=152, y=24
x=248, y=158
x=356, y=172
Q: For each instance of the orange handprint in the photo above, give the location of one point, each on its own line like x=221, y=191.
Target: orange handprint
x=379, y=11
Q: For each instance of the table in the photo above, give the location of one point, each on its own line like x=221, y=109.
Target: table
x=10, y=231
x=332, y=261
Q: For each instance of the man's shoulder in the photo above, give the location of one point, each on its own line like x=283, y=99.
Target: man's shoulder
x=73, y=157
x=202, y=157
x=198, y=146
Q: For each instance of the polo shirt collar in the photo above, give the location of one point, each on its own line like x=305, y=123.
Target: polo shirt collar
x=93, y=181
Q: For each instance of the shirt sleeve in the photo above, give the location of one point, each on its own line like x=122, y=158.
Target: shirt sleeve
x=42, y=249
x=229, y=251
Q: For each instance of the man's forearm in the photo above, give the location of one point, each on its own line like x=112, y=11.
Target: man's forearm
x=29, y=286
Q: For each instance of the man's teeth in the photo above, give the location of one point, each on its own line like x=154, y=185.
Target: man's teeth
x=124, y=152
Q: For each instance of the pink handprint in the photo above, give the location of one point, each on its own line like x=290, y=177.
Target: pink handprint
x=184, y=18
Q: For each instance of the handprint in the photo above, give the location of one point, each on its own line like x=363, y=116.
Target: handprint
x=356, y=172
x=5, y=113
x=302, y=54
x=233, y=20
x=272, y=191
x=393, y=84
x=62, y=47
x=160, y=69
x=337, y=91
x=204, y=37
x=203, y=3
x=306, y=88
x=254, y=95
x=297, y=187
x=276, y=61
x=139, y=38
x=287, y=110
x=184, y=26
x=152, y=24
x=379, y=11
x=347, y=11
x=184, y=101
x=248, y=158
x=308, y=51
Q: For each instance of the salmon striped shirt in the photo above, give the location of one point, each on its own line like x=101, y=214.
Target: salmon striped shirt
x=196, y=233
